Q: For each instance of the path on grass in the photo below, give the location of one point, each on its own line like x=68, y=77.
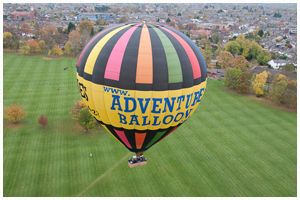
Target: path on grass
x=104, y=174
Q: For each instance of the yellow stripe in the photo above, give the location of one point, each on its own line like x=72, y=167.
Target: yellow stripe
x=90, y=63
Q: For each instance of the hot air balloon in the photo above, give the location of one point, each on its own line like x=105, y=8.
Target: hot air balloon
x=141, y=81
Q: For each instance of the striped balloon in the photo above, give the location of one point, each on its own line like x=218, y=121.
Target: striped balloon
x=141, y=81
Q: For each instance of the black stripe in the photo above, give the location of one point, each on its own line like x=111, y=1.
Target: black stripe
x=186, y=67
x=129, y=62
x=130, y=134
x=139, y=86
x=149, y=136
x=143, y=87
x=198, y=80
x=154, y=133
x=160, y=67
x=100, y=65
x=200, y=58
x=80, y=68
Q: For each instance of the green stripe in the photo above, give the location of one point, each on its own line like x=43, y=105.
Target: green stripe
x=174, y=66
x=157, y=136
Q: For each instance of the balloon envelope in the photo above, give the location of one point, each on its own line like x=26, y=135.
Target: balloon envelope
x=141, y=81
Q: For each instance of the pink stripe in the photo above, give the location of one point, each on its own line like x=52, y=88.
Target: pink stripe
x=113, y=66
x=189, y=51
x=87, y=46
x=123, y=137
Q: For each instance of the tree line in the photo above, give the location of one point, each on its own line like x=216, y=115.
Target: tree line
x=237, y=57
x=50, y=40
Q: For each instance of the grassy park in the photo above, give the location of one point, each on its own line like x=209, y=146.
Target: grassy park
x=232, y=146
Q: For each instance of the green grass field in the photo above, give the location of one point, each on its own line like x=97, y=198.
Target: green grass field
x=231, y=146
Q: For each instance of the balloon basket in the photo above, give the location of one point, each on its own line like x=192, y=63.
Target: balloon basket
x=136, y=161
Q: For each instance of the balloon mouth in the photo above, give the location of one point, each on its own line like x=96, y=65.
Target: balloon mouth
x=138, y=141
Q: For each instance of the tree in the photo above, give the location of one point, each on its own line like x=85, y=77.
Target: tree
x=252, y=36
x=34, y=46
x=84, y=38
x=277, y=15
x=240, y=62
x=123, y=19
x=288, y=44
x=263, y=57
x=78, y=106
x=215, y=38
x=278, y=87
x=233, y=47
x=168, y=20
x=260, y=33
x=43, y=121
x=172, y=23
x=207, y=53
x=238, y=79
x=101, y=22
x=92, y=32
x=290, y=95
x=10, y=38
x=232, y=77
x=68, y=49
x=55, y=51
x=259, y=83
x=85, y=26
x=187, y=33
x=7, y=40
x=14, y=113
x=102, y=8
x=245, y=47
x=42, y=45
x=288, y=67
x=25, y=50
x=71, y=27
x=74, y=39
x=49, y=34
x=244, y=82
x=248, y=48
x=225, y=59
x=254, y=50
x=86, y=120
x=26, y=28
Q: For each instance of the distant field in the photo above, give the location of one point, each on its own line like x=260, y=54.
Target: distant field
x=231, y=146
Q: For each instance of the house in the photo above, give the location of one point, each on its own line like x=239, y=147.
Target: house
x=201, y=32
x=94, y=16
x=273, y=72
x=276, y=64
x=22, y=15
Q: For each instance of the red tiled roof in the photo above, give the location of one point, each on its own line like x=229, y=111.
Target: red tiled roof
x=200, y=32
x=22, y=14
